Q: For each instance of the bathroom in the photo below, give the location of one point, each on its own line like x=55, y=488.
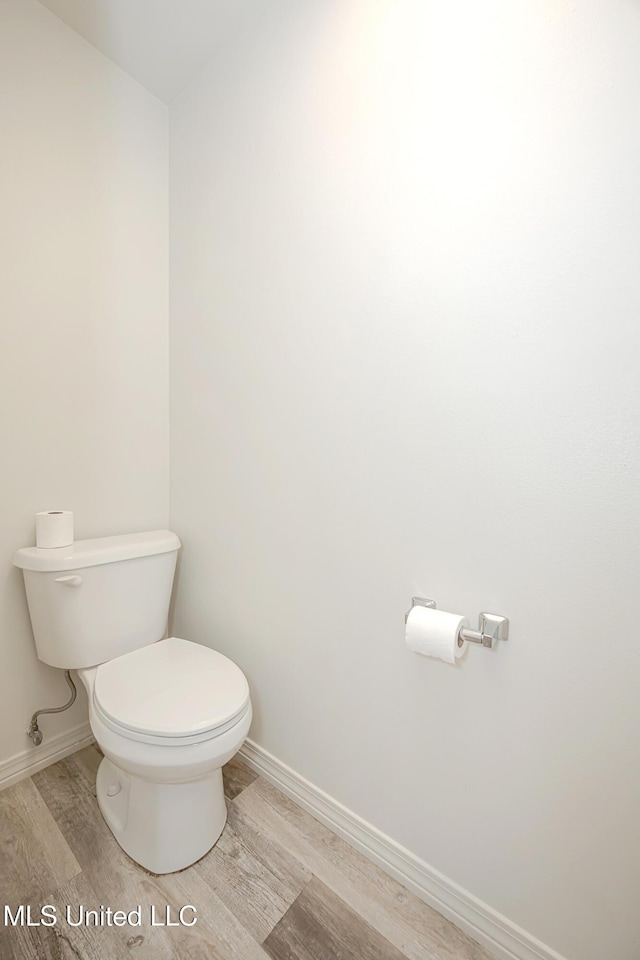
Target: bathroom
x=348, y=300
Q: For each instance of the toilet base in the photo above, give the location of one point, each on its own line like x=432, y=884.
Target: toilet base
x=162, y=826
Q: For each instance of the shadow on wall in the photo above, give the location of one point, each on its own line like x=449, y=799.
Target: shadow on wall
x=85, y=374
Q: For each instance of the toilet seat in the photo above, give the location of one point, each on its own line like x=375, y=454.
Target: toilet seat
x=172, y=692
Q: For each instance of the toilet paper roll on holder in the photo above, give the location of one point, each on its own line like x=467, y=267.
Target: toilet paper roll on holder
x=491, y=626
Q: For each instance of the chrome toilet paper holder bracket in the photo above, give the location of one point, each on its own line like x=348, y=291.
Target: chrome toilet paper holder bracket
x=491, y=626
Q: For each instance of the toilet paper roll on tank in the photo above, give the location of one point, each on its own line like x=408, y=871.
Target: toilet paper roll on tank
x=54, y=528
x=434, y=633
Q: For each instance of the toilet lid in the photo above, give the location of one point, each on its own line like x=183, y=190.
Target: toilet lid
x=173, y=688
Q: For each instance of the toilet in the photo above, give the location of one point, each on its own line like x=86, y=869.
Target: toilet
x=167, y=713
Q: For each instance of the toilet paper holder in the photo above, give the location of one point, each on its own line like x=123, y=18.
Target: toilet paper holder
x=491, y=626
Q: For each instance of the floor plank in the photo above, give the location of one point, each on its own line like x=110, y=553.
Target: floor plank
x=65, y=942
x=89, y=759
x=67, y=789
x=288, y=869
x=34, y=858
x=224, y=936
x=236, y=775
x=406, y=921
x=215, y=936
x=254, y=877
x=320, y=926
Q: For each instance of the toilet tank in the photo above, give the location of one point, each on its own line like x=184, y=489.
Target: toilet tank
x=98, y=599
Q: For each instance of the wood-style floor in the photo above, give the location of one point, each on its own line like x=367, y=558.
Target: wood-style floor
x=278, y=884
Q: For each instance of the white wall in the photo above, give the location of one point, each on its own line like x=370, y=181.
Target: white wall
x=405, y=342
x=84, y=304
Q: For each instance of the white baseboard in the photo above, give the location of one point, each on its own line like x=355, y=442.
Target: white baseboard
x=499, y=935
x=54, y=748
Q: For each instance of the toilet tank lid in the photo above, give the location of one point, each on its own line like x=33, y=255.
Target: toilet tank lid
x=91, y=553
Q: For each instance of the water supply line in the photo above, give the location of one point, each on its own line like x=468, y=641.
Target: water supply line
x=34, y=730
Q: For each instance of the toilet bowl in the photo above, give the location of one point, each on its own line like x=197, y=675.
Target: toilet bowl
x=167, y=718
x=167, y=713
